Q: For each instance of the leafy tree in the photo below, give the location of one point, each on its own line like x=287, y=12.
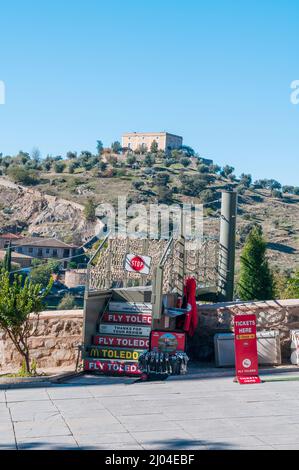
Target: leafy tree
x=193, y=185
x=256, y=280
x=59, y=167
x=90, y=210
x=149, y=160
x=276, y=193
x=154, y=147
x=20, y=174
x=188, y=150
x=288, y=189
x=245, y=180
x=42, y=273
x=71, y=155
x=100, y=147
x=67, y=302
x=116, y=147
x=202, y=168
x=227, y=170
x=131, y=159
x=292, y=287
x=35, y=154
x=185, y=161
x=17, y=302
x=267, y=184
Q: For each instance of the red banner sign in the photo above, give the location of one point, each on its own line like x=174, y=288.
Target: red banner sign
x=168, y=342
x=132, y=318
x=121, y=342
x=246, y=349
x=112, y=367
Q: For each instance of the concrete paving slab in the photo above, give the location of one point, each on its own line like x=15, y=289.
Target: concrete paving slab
x=53, y=426
x=210, y=428
x=63, y=392
x=279, y=439
x=79, y=408
x=95, y=425
x=32, y=410
x=26, y=394
x=152, y=425
x=2, y=396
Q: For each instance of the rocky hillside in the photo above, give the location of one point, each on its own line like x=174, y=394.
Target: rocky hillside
x=32, y=212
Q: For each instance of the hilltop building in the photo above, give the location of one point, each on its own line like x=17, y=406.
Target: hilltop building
x=166, y=142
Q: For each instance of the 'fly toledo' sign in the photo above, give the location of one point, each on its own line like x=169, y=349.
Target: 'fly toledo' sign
x=137, y=264
x=246, y=349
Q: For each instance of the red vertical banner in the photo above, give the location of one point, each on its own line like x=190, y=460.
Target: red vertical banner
x=246, y=349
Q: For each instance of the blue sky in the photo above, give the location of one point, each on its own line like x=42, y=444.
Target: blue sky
x=218, y=73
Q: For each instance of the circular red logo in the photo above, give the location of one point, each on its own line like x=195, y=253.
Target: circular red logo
x=137, y=263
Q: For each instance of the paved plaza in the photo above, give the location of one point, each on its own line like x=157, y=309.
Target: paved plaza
x=118, y=413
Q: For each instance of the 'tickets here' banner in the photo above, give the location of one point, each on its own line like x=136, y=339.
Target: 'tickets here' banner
x=246, y=349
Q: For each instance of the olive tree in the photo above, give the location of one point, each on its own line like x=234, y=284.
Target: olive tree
x=18, y=300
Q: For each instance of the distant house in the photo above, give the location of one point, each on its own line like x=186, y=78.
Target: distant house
x=164, y=140
x=45, y=248
x=7, y=238
x=23, y=260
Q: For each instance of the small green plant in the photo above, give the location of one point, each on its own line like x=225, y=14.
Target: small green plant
x=33, y=368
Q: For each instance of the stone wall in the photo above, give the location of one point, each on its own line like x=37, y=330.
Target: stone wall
x=54, y=345
x=282, y=315
x=59, y=332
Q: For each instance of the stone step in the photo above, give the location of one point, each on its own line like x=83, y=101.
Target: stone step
x=130, y=307
x=106, y=352
x=124, y=330
x=132, y=318
x=121, y=341
x=110, y=367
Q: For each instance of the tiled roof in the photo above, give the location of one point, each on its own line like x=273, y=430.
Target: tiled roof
x=42, y=242
x=10, y=236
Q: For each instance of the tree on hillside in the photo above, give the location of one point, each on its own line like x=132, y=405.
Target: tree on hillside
x=188, y=150
x=20, y=174
x=185, y=161
x=227, y=170
x=17, y=302
x=35, y=154
x=116, y=147
x=256, y=279
x=71, y=155
x=245, y=180
x=59, y=167
x=100, y=147
x=90, y=210
x=131, y=159
x=149, y=160
x=154, y=147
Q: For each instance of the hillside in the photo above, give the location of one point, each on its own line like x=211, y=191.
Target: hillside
x=54, y=204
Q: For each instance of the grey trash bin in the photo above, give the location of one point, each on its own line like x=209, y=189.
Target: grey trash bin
x=268, y=348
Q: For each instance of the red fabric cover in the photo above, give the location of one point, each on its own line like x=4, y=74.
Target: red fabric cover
x=189, y=321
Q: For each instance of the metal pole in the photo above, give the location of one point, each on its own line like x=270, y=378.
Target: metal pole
x=227, y=246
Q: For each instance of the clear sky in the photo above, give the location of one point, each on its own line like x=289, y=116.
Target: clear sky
x=217, y=72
